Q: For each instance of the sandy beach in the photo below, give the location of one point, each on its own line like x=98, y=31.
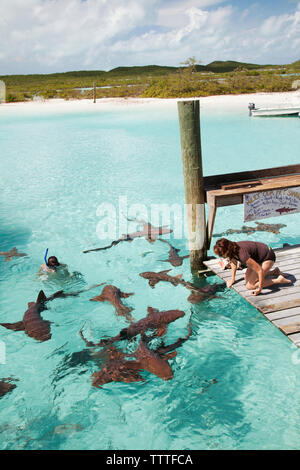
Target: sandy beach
x=212, y=103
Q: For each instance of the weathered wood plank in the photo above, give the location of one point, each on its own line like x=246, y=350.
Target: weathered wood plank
x=295, y=338
x=275, y=307
x=287, y=248
x=290, y=312
x=225, y=197
x=288, y=325
x=282, y=290
x=215, y=181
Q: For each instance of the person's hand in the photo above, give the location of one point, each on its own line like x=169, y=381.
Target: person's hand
x=257, y=291
x=229, y=283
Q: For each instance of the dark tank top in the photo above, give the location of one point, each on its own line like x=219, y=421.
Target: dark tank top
x=258, y=251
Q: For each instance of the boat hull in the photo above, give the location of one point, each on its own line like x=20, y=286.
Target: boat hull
x=276, y=112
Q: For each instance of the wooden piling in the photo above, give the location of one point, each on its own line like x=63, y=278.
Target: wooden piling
x=94, y=92
x=189, y=121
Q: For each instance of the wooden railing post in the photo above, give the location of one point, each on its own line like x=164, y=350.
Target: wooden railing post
x=94, y=93
x=189, y=121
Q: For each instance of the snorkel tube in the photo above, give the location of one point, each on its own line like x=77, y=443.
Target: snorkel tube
x=45, y=258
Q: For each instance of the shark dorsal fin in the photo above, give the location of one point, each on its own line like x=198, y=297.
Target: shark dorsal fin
x=165, y=271
x=41, y=297
x=151, y=310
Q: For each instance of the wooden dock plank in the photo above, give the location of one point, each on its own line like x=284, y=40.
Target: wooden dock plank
x=290, y=312
x=288, y=325
x=295, y=338
x=275, y=307
x=279, y=304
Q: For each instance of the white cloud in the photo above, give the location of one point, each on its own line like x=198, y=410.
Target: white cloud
x=174, y=14
x=59, y=35
x=47, y=31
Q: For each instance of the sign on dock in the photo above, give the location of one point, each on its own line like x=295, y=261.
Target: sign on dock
x=273, y=203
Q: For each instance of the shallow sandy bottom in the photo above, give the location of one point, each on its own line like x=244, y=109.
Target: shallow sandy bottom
x=215, y=103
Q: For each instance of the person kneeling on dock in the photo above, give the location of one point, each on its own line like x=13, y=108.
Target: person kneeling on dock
x=259, y=259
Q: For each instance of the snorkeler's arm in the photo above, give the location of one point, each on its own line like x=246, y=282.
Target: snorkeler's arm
x=233, y=273
x=40, y=270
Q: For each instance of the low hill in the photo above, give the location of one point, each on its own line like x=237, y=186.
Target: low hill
x=296, y=64
x=219, y=66
x=141, y=70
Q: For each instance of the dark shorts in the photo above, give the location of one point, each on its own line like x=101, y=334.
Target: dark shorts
x=270, y=256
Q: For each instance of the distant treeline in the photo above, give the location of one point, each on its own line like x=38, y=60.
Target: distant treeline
x=218, y=77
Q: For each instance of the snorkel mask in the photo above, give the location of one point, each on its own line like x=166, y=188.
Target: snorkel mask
x=50, y=266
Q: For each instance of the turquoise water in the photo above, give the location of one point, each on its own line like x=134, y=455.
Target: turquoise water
x=236, y=380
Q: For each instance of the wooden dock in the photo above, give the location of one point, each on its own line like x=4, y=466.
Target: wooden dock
x=280, y=304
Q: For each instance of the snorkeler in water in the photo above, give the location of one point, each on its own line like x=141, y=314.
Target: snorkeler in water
x=53, y=266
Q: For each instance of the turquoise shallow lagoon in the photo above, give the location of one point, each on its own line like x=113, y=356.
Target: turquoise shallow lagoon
x=236, y=380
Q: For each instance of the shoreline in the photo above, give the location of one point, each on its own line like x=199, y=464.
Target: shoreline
x=215, y=103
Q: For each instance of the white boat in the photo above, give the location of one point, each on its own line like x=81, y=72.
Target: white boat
x=280, y=111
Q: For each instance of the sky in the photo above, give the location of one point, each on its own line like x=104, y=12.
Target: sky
x=47, y=36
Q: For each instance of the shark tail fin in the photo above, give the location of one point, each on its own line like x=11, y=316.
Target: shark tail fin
x=59, y=293
x=98, y=298
x=124, y=295
x=41, y=297
x=18, y=326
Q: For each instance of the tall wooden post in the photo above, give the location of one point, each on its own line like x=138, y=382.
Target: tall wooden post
x=94, y=92
x=189, y=121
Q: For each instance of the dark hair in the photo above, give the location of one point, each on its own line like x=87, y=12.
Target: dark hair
x=226, y=249
x=53, y=260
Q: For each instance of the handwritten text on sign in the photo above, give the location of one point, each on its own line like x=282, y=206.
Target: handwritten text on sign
x=265, y=204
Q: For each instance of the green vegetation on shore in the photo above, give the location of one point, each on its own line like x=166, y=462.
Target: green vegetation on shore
x=153, y=81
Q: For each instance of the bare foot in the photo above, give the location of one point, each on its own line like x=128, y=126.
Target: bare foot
x=275, y=272
x=283, y=280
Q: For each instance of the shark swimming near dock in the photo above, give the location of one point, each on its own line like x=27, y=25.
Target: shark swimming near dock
x=118, y=366
x=119, y=369
x=152, y=362
x=150, y=233
x=13, y=253
x=113, y=295
x=154, y=278
x=198, y=293
x=32, y=323
x=174, y=258
x=154, y=320
x=260, y=227
x=6, y=387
